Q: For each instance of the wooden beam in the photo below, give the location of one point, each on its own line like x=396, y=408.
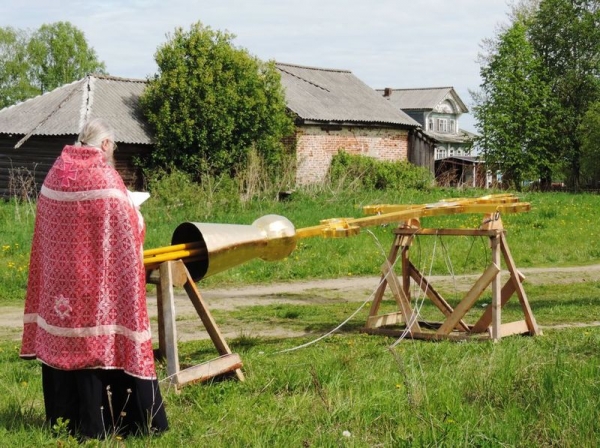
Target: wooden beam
x=445, y=232
x=167, y=305
x=518, y=327
x=486, y=318
x=434, y=296
x=202, y=372
x=409, y=316
x=468, y=301
x=384, y=319
x=534, y=330
x=378, y=297
x=496, y=291
x=208, y=321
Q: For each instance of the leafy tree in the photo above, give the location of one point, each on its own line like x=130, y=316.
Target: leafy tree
x=512, y=108
x=14, y=81
x=35, y=62
x=211, y=103
x=589, y=130
x=566, y=35
x=59, y=54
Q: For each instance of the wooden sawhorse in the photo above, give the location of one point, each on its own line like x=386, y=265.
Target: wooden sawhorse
x=453, y=327
x=172, y=274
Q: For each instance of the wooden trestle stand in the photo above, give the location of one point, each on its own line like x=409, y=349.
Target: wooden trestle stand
x=489, y=325
x=168, y=275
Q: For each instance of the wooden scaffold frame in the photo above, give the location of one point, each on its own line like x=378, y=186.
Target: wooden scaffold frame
x=453, y=327
x=167, y=276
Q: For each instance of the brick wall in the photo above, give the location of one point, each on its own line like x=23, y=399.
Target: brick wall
x=315, y=147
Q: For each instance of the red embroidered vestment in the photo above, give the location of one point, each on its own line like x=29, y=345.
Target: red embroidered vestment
x=86, y=298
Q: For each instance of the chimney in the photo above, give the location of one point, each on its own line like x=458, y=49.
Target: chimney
x=387, y=92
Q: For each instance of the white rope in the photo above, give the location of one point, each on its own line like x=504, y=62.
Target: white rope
x=351, y=316
x=419, y=301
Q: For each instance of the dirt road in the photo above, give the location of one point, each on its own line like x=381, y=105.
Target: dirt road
x=352, y=289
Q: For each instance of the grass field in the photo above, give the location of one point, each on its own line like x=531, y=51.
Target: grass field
x=351, y=389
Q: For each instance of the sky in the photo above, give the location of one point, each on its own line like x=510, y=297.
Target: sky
x=385, y=43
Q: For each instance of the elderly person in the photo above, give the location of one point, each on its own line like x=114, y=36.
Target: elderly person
x=85, y=312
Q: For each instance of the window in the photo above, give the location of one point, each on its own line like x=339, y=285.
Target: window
x=452, y=129
x=430, y=126
x=442, y=125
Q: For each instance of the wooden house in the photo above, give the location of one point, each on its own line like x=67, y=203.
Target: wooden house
x=438, y=111
x=33, y=133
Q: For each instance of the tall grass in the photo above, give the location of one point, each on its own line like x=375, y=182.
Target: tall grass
x=560, y=230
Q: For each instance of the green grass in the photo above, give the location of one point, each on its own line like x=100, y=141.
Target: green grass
x=560, y=230
x=520, y=392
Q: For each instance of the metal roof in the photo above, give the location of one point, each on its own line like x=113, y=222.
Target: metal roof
x=64, y=110
x=462, y=136
x=330, y=95
x=466, y=159
x=422, y=99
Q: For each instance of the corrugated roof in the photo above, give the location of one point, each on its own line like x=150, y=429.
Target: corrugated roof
x=330, y=95
x=64, y=110
x=462, y=136
x=421, y=99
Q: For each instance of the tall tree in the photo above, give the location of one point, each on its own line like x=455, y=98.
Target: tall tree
x=512, y=108
x=59, y=54
x=566, y=35
x=212, y=102
x=14, y=80
x=589, y=130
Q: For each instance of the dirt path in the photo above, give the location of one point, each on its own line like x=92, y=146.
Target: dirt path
x=351, y=289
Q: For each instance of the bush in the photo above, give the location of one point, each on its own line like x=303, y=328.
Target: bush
x=366, y=172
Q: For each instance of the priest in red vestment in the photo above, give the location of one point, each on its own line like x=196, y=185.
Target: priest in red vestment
x=85, y=311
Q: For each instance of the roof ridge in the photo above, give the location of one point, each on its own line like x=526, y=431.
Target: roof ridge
x=417, y=88
x=64, y=86
x=115, y=78
x=314, y=68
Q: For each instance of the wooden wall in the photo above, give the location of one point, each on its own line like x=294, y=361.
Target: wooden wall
x=421, y=150
x=22, y=170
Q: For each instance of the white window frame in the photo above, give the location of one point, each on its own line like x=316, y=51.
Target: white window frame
x=442, y=125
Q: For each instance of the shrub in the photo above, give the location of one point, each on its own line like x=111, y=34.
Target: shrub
x=366, y=172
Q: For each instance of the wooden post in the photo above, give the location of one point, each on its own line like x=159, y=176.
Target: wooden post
x=168, y=312
x=174, y=273
x=496, y=290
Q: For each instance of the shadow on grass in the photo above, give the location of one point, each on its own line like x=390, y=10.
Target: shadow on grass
x=14, y=417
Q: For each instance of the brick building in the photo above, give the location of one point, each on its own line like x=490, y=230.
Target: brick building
x=334, y=110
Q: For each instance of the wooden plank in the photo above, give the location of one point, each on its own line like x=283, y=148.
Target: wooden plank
x=534, y=330
x=471, y=297
x=384, y=319
x=395, y=333
x=445, y=232
x=168, y=309
x=496, y=291
x=378, y=297
x=400, y=297
x=486, y=318
x=162, y=344
x=434, y=296
x=518, y=327
x=406, y=269
x=210, y=369
x=207, y=319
